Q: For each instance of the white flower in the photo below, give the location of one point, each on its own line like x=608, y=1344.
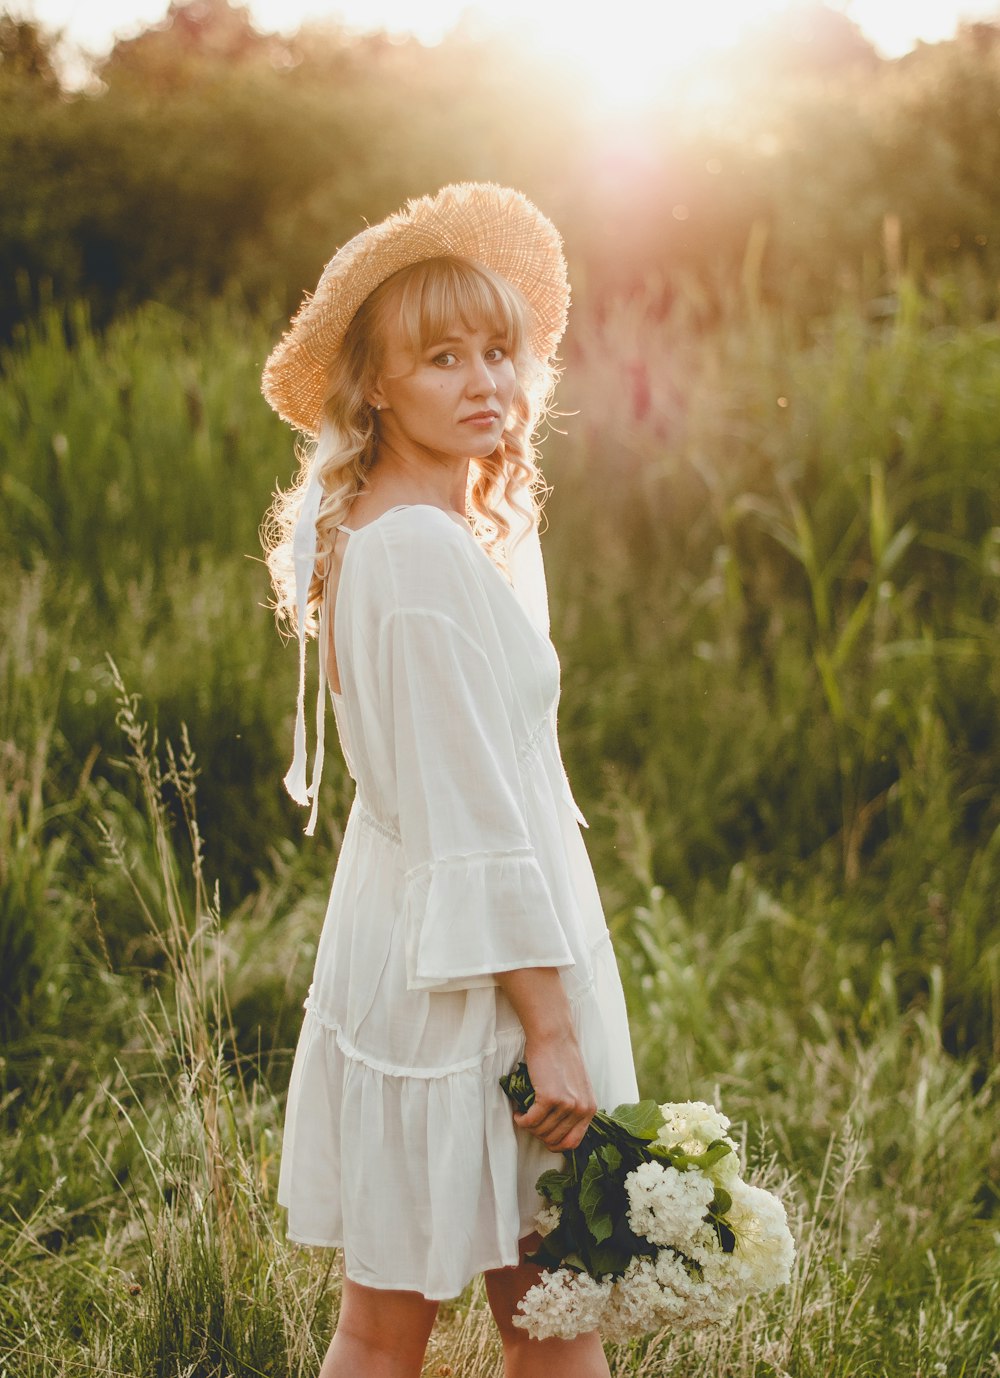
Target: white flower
x=704, y=1244
x=692, y=1121
x=672, y=1273
x=692, y=1125
x=686, y=1280
x=547, y=1219
x=698, y=1300
x=664, y=1291
x=763, y=1239
x=667, y=1206
x=638, y=1304
x=563, y=1304
x=762, y=1258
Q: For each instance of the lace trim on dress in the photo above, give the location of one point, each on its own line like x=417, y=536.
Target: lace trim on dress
x=506, y=1043
x=366, y=817
x=389, y=1069
x=534, y=740
x=463, y=858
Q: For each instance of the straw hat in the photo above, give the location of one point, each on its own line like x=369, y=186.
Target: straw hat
x=489, y=224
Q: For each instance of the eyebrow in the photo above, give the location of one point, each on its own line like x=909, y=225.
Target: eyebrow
x=460, y=339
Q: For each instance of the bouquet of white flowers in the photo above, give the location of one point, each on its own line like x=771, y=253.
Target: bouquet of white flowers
x=649, y=1224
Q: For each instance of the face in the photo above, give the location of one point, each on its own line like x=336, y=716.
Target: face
x=452, y=400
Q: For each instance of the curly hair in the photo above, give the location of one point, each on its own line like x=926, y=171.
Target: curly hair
x=425, y=299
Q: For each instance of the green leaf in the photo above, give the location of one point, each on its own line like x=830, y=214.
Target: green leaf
x=545, y=1256
x=606, y=1260
x=717, y=1149
x=721, y=1202
x=571, y=1234
x=683, y=1162
x=624, y=1238
x=643, y=1120
x=676, y=1157
x=610, y=1156
x=553, y=1185
x=592, y=1200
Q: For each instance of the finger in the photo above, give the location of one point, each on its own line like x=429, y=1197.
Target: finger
x=540, y=1113
x=574, y=1138
x=568, y=1133
x=556, y=1128
x=542, y=1119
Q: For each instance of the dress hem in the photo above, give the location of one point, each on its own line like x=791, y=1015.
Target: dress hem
x=380, y=1285
x=442, y=982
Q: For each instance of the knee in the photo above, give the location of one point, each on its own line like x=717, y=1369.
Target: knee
x=504, y=1289
x=386, y=1323
x=383, y=1340
x=511, y=1335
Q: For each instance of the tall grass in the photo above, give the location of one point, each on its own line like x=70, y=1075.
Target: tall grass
x=774, y=567
x=178, y=1140
x=786, y=610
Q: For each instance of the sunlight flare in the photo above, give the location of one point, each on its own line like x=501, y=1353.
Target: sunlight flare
x=630, y=54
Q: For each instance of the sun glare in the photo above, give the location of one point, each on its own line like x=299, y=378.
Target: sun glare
x=630, y=50
x=626, y=52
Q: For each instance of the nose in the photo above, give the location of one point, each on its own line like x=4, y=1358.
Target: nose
x=481, y=380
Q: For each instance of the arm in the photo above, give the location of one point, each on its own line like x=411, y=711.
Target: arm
x=476, y=898
x=564, y=1098
x=478, y=908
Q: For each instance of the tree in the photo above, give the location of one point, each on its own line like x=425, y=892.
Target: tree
x=806, y=42
x=195, y=39
x=27, y=53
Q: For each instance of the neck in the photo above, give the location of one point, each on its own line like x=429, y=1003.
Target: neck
x=416, y=475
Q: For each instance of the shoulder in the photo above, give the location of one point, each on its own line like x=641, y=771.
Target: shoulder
x=415, y=541
x=418, y=558
x=423, y=524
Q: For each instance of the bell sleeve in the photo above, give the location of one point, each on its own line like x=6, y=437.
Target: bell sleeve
x=476, y=900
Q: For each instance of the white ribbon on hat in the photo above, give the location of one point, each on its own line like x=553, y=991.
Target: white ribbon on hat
x=304, y=562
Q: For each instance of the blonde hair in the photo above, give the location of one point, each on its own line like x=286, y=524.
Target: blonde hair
x=425, y=299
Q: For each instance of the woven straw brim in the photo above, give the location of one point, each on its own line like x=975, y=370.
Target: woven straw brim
x=489, y=224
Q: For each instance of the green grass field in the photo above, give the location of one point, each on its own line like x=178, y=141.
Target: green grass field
x=774, y=560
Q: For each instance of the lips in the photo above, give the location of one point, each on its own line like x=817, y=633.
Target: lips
x=483, y=416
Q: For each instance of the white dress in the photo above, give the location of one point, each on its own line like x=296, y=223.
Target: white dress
x=462, y=856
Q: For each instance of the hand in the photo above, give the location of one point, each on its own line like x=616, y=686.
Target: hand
x=564, y=1098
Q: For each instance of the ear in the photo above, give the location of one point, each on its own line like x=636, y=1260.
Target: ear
x=376, y=399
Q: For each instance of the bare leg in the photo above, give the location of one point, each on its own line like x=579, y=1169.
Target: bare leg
x=379, y=1334
x=524, y=1357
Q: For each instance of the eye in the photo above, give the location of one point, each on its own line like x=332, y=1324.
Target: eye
x=496, y=353
x=445, y=360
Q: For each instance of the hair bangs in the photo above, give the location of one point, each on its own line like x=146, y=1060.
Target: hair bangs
x=433, y=296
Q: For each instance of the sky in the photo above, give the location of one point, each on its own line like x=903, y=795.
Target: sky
x=676, y=27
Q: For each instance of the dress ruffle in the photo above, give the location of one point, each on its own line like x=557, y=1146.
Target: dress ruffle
x=468, y=917
x=456, y=1204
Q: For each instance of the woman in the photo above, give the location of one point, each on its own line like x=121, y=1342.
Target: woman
x=464, y=930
